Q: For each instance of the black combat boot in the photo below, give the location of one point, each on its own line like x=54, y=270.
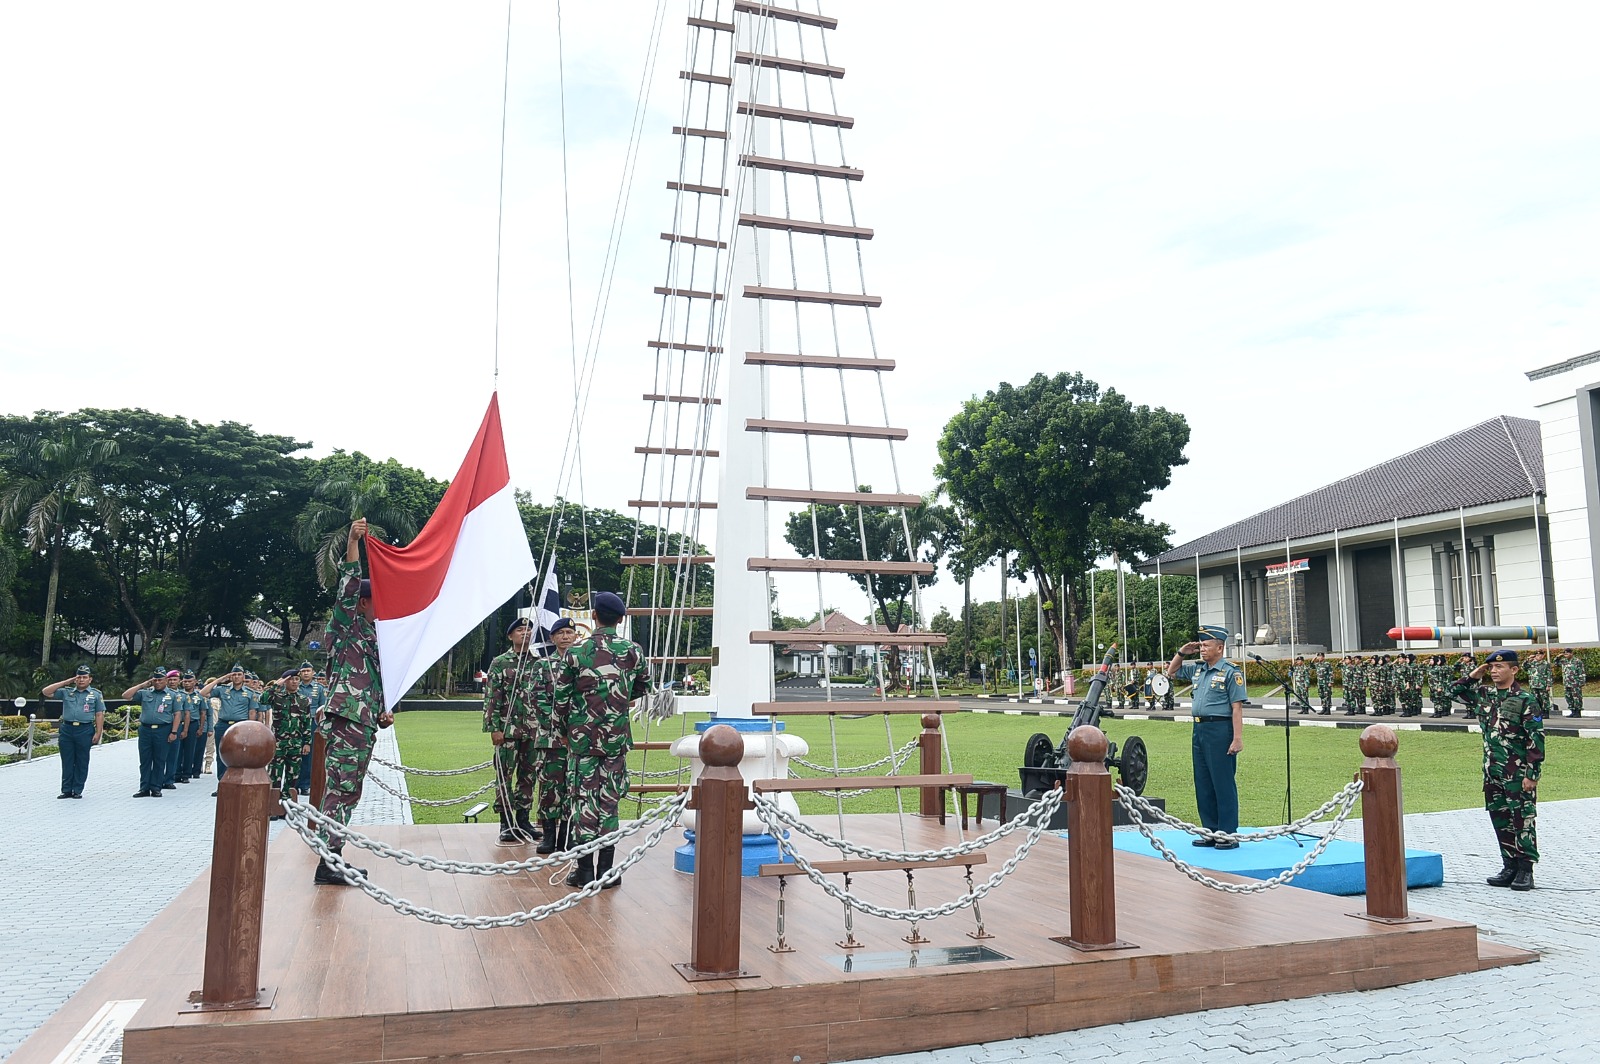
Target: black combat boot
x=1524, y=876
x=1506, y=874
x=547, y=837
x=583, y=874
x=328, y=877
x=602, y=865
x=525, y=825
x=508, y=831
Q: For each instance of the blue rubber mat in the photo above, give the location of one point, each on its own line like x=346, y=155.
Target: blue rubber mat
x=1340, y=870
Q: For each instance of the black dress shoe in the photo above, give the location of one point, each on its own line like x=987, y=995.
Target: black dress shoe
x=141, y=794
x=63, y=794
x=78, y=795
x=155, y=794
x=1228, y=845
x=1202, y=842
x=169, y=786
x=326, y=876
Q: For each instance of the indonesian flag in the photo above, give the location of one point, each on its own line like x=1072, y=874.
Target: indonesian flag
x=467, y=561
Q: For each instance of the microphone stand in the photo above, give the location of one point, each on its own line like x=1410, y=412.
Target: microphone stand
x=1288, y=762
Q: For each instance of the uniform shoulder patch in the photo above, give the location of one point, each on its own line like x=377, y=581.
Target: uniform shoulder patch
x=1238, y=678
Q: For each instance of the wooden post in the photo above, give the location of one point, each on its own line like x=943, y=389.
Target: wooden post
x=238, y=874
x=319, y=768
x=1091, y=869
x=1383, y=827
x=932, y=746
x=719, y=800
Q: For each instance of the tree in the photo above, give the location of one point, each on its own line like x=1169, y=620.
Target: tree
x=395, y=500
x=55, y=483
x=1057, y=471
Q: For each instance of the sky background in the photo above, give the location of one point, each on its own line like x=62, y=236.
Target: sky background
x=1324, y=235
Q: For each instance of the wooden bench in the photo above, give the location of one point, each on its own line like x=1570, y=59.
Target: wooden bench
x=471, y=815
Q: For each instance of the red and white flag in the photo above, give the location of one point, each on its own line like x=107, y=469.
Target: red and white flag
x=467, y=561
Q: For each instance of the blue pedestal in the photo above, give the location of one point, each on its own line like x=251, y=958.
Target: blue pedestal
x=744, y=724
x=1340, y=870
x=756, y=850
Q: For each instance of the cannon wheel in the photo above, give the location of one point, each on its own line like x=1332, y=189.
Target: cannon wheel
x=1039, y=752
x=1134, y=765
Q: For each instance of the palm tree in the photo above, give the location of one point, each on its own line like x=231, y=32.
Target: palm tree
x=55, y=483
x=325, y=522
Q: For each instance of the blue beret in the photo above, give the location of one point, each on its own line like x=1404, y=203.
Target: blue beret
x=610, y=603
x=1212, y=631
x=520, y=622
x=290, y=672
x=561, y=622
x=1503, y=655
x=84, y=670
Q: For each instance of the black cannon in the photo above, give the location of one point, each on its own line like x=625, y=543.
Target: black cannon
x=1044, y=764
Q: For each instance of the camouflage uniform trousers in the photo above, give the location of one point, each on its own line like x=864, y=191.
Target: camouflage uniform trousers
x=1355, y=694
x=1302, y=692
x=1325, y=694
x=1382, y=697
x=1574, y=695
x=1411, y=699
x=598, y=786
x=515, y=763
x=1169, y=701
x=348, y=752
x=554, y=801
x=1514, y=815
x=284, y=772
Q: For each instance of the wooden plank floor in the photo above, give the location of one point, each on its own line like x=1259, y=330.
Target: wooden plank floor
x=357, y=982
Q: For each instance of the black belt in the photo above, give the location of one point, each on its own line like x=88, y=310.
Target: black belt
x=1211, y=720
x=78, y=723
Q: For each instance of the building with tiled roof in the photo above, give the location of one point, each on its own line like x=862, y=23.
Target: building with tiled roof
x=847, y=643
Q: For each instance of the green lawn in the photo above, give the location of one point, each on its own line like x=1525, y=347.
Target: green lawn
x=1441, y=770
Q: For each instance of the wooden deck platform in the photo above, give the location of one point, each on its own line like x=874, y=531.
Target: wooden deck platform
x=356, y=982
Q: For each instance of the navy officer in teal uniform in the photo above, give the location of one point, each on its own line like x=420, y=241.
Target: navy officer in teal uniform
x=1219, y=696
x=157, y=707
x=83, y=719
x=237, y=702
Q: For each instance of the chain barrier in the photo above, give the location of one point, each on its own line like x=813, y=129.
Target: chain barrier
x=1041, y=810
x=440, y=803
x=1344, y=796
x=306, y=820
x=1345, y=800
x=769, y=813
x=663, y=774
x=299, y=818
x=432, y=771
x=898, y=757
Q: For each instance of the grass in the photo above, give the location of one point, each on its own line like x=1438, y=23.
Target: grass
x=1441, y=770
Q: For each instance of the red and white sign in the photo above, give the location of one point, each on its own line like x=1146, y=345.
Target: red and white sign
x=1299, y=565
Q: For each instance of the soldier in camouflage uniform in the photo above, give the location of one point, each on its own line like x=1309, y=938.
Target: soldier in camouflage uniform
x=1464, y=666
x=1411, y=686
x=1382, y=684
x=550, y=740
x=1322, y=670
x=1441, y=677
x=600, y=678
x=1513, y=756
x=1300, y=684
x=1573, y=677
x=355, y=711
x=1355, y=687
x=509, y=718
x=291, y=726
x=1169, y=701
x=1537, y=666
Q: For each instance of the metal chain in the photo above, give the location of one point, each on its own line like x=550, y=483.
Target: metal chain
x=663, y=774
x=461, y=921
x=765, y=808
x=1348, y=796
x=305, y=819
x=431, y=771
x=898, y=757
x=1129, y=799
x=1042, y=811
x=435, y=803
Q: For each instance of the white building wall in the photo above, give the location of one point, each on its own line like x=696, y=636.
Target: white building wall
x=1566, y=502
x=1214, y=605
x=1517, y=579
x=1420, y=605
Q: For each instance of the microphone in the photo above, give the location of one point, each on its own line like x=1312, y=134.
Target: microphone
x=1255, y=657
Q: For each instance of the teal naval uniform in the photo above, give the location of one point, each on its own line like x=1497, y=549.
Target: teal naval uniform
x=1216, y=689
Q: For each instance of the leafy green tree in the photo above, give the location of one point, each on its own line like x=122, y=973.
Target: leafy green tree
x=55, y=485
x=1057, y=471
x=395, y=499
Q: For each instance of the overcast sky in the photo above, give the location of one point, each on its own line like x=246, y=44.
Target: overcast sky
x=1326, y=235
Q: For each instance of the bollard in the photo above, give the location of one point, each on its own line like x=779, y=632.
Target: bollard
x=932, y=746
x=238, y=875
x=1091, y=869
x=719, y=800
x=319, y=768
x=1383, y=829
x=33, y=719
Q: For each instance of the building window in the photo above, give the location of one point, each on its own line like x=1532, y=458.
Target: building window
x=1484, y=607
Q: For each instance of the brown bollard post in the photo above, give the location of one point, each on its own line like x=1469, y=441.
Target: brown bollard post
x=932, y=746
x=719, y=800
x=1091, y=871
x=319, y=768
x=1383, y=829
x=238, y=874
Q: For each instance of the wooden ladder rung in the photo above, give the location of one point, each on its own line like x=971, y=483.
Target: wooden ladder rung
x=671, y=345
x=667, y=611
x=818, y=709
x=795, y=114
x=784, y=14
x=797, y=66
x=795, y=166
x=691, y=131
x=708, y=24
x=709, y=79
x=668, y=559
x=685, y=452
x=774, y=358
x=652, y=745
x=770, y=871
x=856, y=783
x=826, y=428
x=687, y=293
x=801, y=225
x=704, y=190
x=656, y=397
x=829, y=565
x=697, y=241
x=798, y=295
x=881, y=637
x=671, y=504
x=670, y=659
x=658, y=788
x=843, y=498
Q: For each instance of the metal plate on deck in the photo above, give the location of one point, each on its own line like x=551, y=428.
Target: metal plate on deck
x=938, y=957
